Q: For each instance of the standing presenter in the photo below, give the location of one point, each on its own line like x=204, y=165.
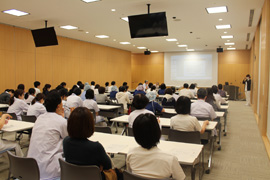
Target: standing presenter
x=247, y=82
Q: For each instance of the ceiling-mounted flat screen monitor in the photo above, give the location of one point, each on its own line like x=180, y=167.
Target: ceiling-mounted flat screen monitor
x=148, y=25
x=44, y=37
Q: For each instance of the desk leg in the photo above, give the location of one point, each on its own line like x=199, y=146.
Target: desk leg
x=124, y=130
x=201, y=172
x=193, y=172
x=219, y=136
x=225, y=123
x=210, y=156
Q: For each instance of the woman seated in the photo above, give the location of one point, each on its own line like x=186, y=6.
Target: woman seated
x=46, y=89
x=183, y=121
x=211, y=99
x=193, y=90
x=30, y=95
x=122, y=97
x=139, y=90
x=162, y=89
x=37, y=108
x=152, y=105
x=86, y=87
x=101, y=97
x=77, y=148
x=17, y=104
x=148, y=160
x=168, y=99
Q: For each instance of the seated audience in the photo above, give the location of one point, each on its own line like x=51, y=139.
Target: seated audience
x=139, y=90
x=112, y=85
x=21, y=86
x=186, y=92
x=147, y=160
x=96, y=89
x=145, y=85
x=175, y=96
x=218, y=98
x=125, y=83
x=220, y=91
x=211, y=99
x=30, y=95
x=128, y=93
x=78, y=84
x=4, y=144
x=149, y=87
x=122, y=97
x=192, y=89
x=106, y=86
x=37, y=86
x=63, y=84
x=17, y=104
x=86, y=87
x=46, y=89
x=113, y=92
x=72, y=89
x=93, y=85
x=153, y=89
x=101, y=97
x=37, y=108
x=152, y=105
x=140, y=101
x=5, y=96
x=64, y=94
x=74, y=100
x=47, y=137
x=183, y=121
x=200, y=108
x=168, y=99
x=162, y=89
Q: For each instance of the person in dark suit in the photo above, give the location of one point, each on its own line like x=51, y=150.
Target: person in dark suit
x=247, y=82
x=5, y=96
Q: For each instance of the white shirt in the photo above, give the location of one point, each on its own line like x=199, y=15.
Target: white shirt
x=219, y=100
x=46, y=143
x=145, y=86
x=185, y=122
x=135, y=113
x=29, y=99
x=37, y=91
x=153, y=163
x=175, y=96
x=187, y=93
x=92, y=87
x=200, y=108
x=96, y=91
x=74, y=101
x=91, y=104
x=122, y=98
x=130, y=96
x=18, y=107
x=36, y=110
x=66, y=109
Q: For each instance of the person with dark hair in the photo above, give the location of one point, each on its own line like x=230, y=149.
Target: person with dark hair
x=211, y=99
x=149, y=87
x=78, y=149
x=183, y=121
x=148, y=160
x=123, y=98
x=90, y=103
x=152, y=105
x=162, y=89
x=64, y=94
x=96, y=89
x=101, y=97
x=106, y=86
x=37, y=108
x=113, y=92
x=17, y=105
x=74, y=100
x=192, y=89
x=59, y=87
x=72, y=89
x=37, y=86
x=47, y=137
x=247, y=82
x=125, y=83
x=5, y=96
x=139, y=90
x=175, y=96
x=46, y=89
x=186, y=92
x=220, y=91
x=112, y=86
x=86, y=87
x=145, y=85
x=30, y=95
x=79, y=83
x=93, y=85
x=168, y=99
x=6, y=145
x=139, y=102
x=219, y=99
x=81, y=86
x=63, y=84
x=21, y=86
x=200, y=108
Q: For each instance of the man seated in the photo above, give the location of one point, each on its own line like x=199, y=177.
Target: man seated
x=5, y=96
x=186, y=92
x=200, y=108
x=220, y=91
x=48, y=133
x=219, y=99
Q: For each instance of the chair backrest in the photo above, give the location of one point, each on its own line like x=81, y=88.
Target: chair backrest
x=23, y=168
x=130, y=131
x=103, y=129
x=185, y=136
x=72, y=171
x=14, y=116
x=130, y=176
x=29, y=118
x=167, y=115
x=203, y=118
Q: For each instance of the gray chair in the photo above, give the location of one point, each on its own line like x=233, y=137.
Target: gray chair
x=167, y=115
x=185, y=136
x=130, y=131
x=130, y=176
x=23, y=168
x=14, y=116
x=103, y=129
x=72, y=171
x=29, y=118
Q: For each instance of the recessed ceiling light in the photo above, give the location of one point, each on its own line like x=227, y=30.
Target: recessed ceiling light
x=220, y=9
x=182, y=45
x=87, y=32
x=113, y=10
x=220, y=19
x=125, y=19
x=229, y=43
x=231, y=48
x=141, y=47
x=190, y=50
x=15, y=12
x=69, y=27
x=171, y=39
x=154, y=51
x=227, y=37
x=228, y=40
x=114, y=40
x=102, y=36
x=89, y=1
x=225, y=32
x=124, y=42
x=226, y=26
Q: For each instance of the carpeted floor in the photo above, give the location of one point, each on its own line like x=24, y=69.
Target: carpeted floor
x=242, y=157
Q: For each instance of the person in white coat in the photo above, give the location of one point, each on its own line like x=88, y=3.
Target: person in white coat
x=74, y=100
x=37, y=108
x=47, y=137
x=123, y=98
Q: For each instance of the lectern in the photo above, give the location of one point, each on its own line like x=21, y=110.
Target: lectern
x=232, y=91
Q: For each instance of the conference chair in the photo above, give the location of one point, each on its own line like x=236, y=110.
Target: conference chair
x=103, y=129
x=167, y=115
x=130, y=131
x=130, y=176
x=14, y=116
x=23, y=168
x=72, y=171
x=31, y=119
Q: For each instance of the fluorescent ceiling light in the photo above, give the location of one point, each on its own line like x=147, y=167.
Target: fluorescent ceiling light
x=89, y=1
x=231, y=48
x=220, y=19
x=15, y=12
x=225, y=32
x=226, y=26
x=190, y=50
x=102, y=36
x=113, y=10
x=87, y=32
x=141, y=47
x=227, y=37
x=229, y=43
x=228, y=40
x=68, y=27
x=220, y=9
x=125, y=19
x=154, y=51
x=182, y=45
x=171, y=39
x=124, y=42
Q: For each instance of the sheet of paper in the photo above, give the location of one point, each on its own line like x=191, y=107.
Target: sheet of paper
x=115, y=148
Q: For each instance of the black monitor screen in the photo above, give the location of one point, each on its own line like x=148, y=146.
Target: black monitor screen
x=148, y=25
x=44, y=37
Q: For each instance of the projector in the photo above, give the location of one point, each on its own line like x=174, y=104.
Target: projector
x=147, y=52
x=219, y=49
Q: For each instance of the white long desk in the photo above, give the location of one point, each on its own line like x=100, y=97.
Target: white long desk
x=172, y=111
x=107, y=107
x=4, y=105
x=15, y=125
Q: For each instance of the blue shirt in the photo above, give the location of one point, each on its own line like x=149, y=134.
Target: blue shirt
x=138, y=92
x=161, y=91
x=154, y=106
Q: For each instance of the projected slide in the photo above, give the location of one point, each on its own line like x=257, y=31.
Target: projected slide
x=188, y=67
